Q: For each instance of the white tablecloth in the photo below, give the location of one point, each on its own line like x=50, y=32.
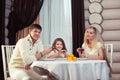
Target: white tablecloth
x=76, y=70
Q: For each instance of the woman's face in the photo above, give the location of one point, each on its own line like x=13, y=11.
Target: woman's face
x=58, y=45
x=90, y=34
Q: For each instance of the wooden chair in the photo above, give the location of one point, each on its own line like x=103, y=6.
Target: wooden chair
x=7, y=51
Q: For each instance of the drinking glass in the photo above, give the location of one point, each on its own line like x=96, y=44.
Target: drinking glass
x=81, y=50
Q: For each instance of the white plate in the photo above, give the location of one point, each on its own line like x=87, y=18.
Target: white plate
x=83, y=59
x=48, y=59
x=60, y=58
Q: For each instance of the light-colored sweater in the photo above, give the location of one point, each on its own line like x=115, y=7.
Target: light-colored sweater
x=24, y=52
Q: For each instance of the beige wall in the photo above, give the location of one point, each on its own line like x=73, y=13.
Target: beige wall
x=110, y=27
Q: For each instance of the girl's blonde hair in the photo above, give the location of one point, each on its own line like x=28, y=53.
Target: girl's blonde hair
x=97, y=37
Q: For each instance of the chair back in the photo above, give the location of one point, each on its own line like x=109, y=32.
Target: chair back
x=109, y=52
x=7, y=51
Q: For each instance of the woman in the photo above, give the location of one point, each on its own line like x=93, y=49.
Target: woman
x=93, y=46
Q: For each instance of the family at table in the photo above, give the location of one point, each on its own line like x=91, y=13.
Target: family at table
x=30, y=49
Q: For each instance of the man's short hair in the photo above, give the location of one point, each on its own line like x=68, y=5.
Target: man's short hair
x=35, y=26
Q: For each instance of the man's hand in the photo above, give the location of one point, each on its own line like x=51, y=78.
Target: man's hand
x=27, y=67
x=47, y=50
x=38, y=56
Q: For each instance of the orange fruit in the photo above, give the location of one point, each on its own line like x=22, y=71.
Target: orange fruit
x=69, y=58
x=74, y=58
x=71, y=55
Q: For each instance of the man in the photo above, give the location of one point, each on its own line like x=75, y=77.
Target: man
x=26, y=51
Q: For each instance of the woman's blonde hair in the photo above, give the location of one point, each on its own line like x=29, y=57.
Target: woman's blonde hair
x=97, y=37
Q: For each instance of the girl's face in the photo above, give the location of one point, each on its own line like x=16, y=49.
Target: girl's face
x=58, y=45
x=90, y=34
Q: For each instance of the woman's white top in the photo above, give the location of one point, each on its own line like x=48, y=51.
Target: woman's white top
x=94, y=51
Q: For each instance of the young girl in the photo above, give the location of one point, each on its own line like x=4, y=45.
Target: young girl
x=59, y=49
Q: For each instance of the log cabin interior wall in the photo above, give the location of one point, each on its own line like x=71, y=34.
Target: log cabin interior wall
x=105, y=15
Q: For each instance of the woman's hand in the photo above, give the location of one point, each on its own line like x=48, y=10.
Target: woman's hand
x=80, y=51
x=85, y=55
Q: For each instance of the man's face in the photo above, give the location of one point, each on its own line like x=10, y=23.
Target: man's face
x=35, y=34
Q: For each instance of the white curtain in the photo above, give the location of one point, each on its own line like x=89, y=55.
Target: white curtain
x=55, y=19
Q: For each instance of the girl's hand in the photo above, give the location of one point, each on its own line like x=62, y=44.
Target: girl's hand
x=65, y=53
x=59, y=54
